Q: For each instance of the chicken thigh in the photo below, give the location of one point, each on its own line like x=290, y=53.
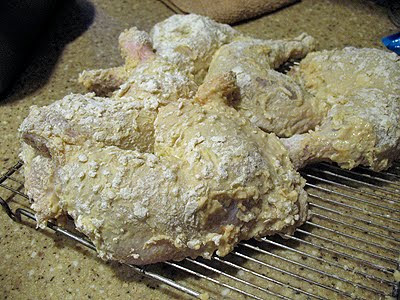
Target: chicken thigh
x=71, y=121
x=271, y=100
x=361, y=87
x=204, y=180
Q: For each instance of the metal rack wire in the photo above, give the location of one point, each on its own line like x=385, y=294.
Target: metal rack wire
x=349, y=248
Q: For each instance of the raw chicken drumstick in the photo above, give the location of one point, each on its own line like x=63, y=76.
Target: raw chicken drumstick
x=361, y=87
x=204, y=179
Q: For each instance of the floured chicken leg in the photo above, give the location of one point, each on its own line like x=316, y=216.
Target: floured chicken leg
x=147, y=74
x=362, y=89
x=71, y=121
x=211, y=180
x=183, y=47
x=271, y=100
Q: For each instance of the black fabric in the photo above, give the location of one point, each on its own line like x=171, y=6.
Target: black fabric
x=20, y=23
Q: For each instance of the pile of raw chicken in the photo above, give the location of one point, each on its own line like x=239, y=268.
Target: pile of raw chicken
x=193, y=144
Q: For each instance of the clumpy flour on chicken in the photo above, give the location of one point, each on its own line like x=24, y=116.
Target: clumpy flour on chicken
x=193, y=144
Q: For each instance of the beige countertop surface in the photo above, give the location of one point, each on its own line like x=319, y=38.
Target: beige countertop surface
x=39, y=264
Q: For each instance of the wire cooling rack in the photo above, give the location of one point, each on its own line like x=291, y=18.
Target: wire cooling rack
x=349, y=248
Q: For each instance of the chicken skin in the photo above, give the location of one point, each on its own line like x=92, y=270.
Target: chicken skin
x=195, y=186
x=361, y=87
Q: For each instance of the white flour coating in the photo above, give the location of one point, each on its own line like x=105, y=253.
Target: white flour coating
x=106, y=120
x=354, y=67
x=160, y=80
x=190, y=41
x=383, y=115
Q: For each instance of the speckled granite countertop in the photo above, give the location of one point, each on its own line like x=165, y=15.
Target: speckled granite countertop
x=40, y=265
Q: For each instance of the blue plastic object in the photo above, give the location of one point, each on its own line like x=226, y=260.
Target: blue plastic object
x=392, y=42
